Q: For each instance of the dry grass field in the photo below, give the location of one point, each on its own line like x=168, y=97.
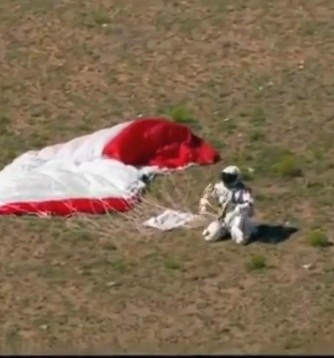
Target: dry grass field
x=256, y=79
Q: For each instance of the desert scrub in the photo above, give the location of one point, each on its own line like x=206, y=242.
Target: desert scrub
x=258, y=116
x=179, y=113
x=317, y=238
x=276, y=161
x=172, y=264
x=4, y=124
x=96, y=18
x=257, y=136
x=288, y=166
x=256, y=262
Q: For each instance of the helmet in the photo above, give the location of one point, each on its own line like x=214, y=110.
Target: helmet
x=230, y=175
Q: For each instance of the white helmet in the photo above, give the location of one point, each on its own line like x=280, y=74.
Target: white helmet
x=230, y=175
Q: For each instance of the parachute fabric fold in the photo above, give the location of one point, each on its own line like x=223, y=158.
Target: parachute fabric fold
x=100, y=172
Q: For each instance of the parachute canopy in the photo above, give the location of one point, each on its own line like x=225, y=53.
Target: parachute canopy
x=100, y=172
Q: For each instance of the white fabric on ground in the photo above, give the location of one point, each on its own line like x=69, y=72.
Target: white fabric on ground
x=60, y=179
x=74, y=169
x=170, y=219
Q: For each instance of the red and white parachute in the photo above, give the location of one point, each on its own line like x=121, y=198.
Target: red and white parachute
x=100, y=172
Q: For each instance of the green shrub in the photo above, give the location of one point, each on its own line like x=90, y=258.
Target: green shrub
x=256, y=262
x=172, y=264
x=258, y=115
x=288, y=166
x=180, y=114
x=317, y=238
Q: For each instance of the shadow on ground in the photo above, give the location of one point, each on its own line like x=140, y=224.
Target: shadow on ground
x=273, y=234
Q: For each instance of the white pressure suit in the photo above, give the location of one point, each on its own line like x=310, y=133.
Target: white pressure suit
x=235, y=203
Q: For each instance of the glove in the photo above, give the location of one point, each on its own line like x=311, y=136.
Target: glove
x=238, y=209
x=208, y=189
x=203, y=203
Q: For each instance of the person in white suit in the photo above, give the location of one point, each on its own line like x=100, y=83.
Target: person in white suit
x=236, y=207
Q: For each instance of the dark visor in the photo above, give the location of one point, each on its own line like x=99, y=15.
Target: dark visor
x=228, y=178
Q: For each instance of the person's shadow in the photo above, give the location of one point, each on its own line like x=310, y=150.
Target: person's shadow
x=272, y=234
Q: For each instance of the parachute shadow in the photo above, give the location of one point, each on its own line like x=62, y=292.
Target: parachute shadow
x=273, y=234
